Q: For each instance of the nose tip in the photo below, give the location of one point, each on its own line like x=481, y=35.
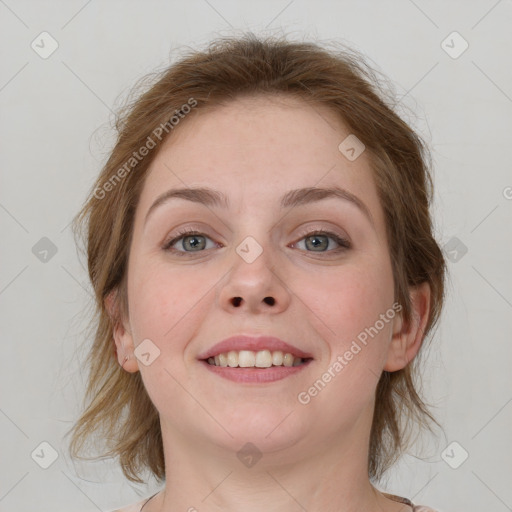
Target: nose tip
x=252, y=284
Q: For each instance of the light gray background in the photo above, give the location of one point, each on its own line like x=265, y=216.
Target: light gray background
x=55, y=137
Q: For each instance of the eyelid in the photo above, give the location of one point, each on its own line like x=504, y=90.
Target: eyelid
x=181, y=233
x=342, y=240
x=312, y=230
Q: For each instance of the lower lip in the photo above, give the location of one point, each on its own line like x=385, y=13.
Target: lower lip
x=255, y=375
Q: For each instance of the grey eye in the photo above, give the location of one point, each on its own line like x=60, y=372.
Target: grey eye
x=322, y=242
x=317, y=242
x=193, y=242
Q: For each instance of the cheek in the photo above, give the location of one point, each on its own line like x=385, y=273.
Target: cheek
x=165, y=301
x=350, y=303
x=357, y=340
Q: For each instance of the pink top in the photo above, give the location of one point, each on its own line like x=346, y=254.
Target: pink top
x=137, y=507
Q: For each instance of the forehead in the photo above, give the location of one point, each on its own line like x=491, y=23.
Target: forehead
x=256, y=146
x=257, y=125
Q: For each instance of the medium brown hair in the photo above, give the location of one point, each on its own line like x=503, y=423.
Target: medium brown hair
x=118, y=405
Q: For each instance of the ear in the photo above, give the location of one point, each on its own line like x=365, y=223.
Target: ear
x=121, y=332
x=407, y=339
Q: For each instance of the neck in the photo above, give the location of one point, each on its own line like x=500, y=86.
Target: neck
x=204, y=478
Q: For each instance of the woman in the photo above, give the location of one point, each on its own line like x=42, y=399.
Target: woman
x=261, y=249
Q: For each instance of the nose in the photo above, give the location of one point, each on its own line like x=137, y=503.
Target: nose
x=254, y=286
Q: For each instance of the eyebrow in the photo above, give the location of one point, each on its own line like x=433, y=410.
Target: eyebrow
x=297, y=197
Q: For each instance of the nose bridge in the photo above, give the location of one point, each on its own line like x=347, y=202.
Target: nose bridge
x=253, y=262
x=252, y=283
x=253, y=238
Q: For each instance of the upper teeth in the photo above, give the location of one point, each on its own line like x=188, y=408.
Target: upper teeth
x=260, y=359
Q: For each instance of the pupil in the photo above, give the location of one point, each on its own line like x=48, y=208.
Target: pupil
x=318, y=242
x=194, y=242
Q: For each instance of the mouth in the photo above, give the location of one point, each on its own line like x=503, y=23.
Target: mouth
x=254, y=360
x=260, y=359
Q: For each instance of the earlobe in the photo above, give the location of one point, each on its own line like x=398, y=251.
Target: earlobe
x=407, y=338
x=122, y=338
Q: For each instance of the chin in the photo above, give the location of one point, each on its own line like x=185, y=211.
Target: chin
x=269, y=427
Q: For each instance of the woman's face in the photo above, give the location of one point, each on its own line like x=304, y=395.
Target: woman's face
x=258, y=267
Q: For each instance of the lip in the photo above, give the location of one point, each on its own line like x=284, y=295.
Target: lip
x=243, y=342
x=255, y=375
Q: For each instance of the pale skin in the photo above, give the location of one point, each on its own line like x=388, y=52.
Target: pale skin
x=254, y=150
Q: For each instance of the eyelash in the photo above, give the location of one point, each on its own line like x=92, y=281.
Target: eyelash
x=343, y=243
x=179, y=235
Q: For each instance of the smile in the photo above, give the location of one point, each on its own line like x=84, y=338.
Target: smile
x=252, y=359
x=249, y=359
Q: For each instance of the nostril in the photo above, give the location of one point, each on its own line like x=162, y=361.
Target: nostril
x=236, y=301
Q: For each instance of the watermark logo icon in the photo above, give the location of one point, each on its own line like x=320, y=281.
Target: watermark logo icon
x=44, y=250
x=249, y=455
x=454, y=455
x=454, y=45
x=146, y=352
x=455, y=249
x=44, y=455
x=351, y=147
x=249, y=249
x=44, y=45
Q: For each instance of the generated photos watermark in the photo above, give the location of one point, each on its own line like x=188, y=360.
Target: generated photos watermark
x=149, y=144
x=304, y=397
